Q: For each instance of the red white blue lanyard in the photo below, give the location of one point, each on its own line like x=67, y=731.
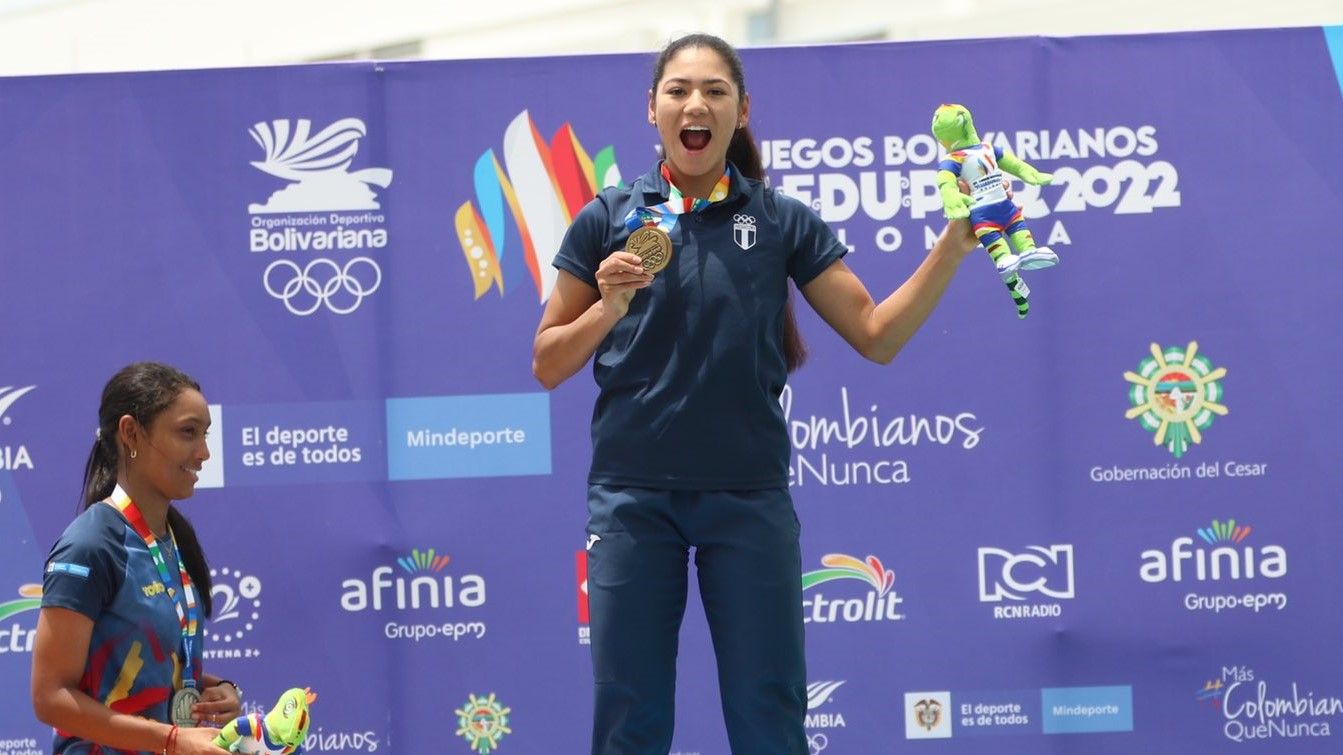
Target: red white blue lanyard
x=665, y=215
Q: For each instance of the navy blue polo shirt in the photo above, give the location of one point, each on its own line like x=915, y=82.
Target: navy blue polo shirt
x=102, y=569
x=690, y=378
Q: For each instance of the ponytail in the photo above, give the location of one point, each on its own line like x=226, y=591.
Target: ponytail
x=193, y=557
x=100, y=471
x=745, y=156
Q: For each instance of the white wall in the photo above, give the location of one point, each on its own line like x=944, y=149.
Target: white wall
x=60, y=36
x=817, y=20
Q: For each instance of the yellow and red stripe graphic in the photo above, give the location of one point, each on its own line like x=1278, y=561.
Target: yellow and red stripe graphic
x=543, y=186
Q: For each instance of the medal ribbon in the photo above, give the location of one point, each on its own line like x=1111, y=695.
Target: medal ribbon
x=664, y=215
x=188, y=618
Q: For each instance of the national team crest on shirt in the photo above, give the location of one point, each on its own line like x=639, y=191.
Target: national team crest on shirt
x=743, y=230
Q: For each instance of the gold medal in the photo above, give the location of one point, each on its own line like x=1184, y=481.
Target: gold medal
x=653, y=246
x=183, y=699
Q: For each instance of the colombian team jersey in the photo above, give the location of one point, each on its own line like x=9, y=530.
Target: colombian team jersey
x=977, y=165
x=101, y=568
x=690, y=378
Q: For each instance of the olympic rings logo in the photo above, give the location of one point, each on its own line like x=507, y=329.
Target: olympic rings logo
x=817, y=742
x=748, y=219
x=304, y=290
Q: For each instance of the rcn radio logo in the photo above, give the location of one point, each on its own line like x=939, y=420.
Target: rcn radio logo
x=524, y=206
x=1029, y=582
x=319, y=231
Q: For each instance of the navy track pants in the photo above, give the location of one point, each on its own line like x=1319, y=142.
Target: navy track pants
x=750, y=578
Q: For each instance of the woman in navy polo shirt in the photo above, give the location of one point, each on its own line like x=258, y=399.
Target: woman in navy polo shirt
x=690, y=447
x=126, y=590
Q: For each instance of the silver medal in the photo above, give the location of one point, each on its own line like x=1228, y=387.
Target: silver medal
x=183, y=699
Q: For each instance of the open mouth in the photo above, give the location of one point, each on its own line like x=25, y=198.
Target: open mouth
x=695, y=138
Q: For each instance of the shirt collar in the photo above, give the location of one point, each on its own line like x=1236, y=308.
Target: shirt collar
x=654, y=185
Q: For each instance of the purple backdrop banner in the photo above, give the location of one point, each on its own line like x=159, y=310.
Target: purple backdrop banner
x=1098, y=530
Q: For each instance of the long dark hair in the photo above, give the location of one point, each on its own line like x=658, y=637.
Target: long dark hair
x=742, y=153
x=143, y=390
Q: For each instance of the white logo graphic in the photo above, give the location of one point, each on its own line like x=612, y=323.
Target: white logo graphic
x=592, y=540
x=1219, y=554
x=236, y=597
x=1252, y=709
x=1004, y=575
x=237, y=608
x=14, y=457
x=8, y=395
x=1223, y=560
x=318, y=164
x=305, y=289
x=743, y=231
x=818, y=693
x=419, y=590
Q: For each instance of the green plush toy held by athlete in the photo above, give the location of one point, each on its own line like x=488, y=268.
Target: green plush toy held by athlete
x=997, y=221
x=279, y=732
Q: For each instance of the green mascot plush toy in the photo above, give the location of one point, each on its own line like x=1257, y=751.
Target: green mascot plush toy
x=997, y=221
x=279, y=732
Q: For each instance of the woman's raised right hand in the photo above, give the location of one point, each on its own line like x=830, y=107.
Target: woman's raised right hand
x=619, y=277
